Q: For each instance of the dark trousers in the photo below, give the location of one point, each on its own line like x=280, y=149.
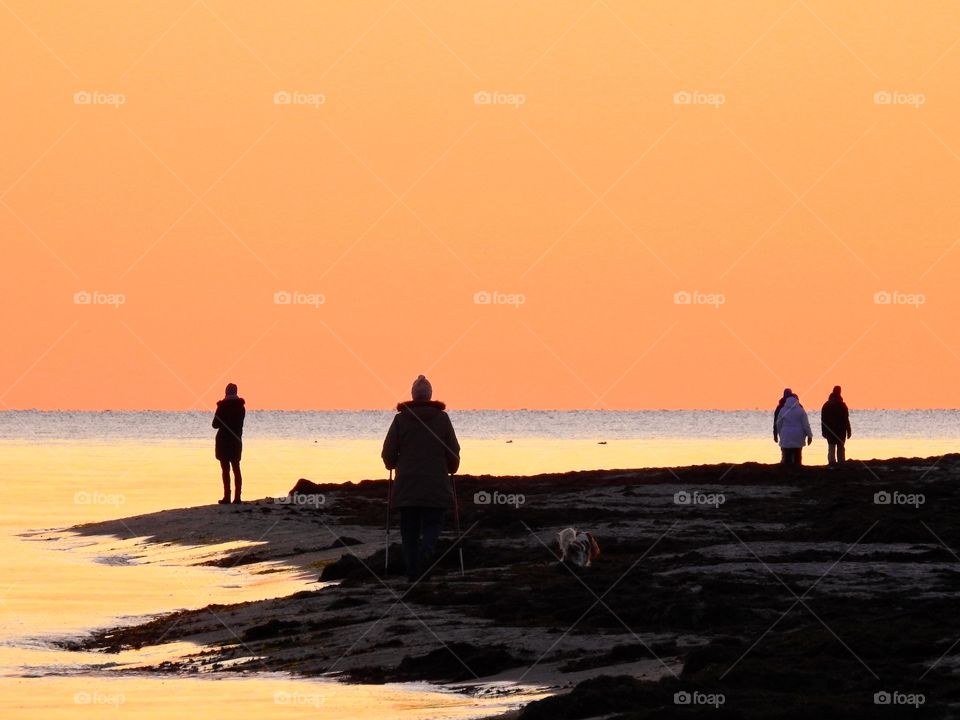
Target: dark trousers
x=420, y=531
x=791, y=456
x=836, y=452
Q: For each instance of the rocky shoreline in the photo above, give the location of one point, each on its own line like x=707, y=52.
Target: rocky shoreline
x=730, y=591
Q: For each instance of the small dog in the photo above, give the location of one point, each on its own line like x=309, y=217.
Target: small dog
x=577, y=548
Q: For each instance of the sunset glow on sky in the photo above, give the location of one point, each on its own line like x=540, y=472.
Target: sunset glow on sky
x=557, y=204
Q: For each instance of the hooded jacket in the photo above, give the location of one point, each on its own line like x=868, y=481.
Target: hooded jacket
x=776, y=414
x=422, y=447
x=228, y=420
x=835, y=419
x=793, y=425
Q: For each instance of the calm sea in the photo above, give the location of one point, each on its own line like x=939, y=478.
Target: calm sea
x=698, y=425
x=128, y=449
x=64, y=468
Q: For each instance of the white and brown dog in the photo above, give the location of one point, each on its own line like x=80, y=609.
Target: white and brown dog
x=577, y=548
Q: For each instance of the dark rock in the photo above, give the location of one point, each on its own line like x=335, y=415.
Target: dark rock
x=347, y=566
x=271, y=629
x=346, y=602
x=458, y=662
x=597, y=697
x=306, y=487
x=344, y=542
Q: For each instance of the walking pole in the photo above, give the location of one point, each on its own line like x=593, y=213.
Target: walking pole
x=456, y=512
x=386, y=547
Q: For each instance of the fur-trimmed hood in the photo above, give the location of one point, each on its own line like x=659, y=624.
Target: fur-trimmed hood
x=414, y=405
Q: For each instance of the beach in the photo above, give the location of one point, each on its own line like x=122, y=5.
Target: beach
x=412, y=360
x=766, y=591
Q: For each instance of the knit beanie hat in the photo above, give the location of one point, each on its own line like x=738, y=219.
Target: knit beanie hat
x=422, y=389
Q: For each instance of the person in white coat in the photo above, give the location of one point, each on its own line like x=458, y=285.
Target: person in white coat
x=793, y=426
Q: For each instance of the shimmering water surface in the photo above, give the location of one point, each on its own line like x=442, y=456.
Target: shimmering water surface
x=64, y=468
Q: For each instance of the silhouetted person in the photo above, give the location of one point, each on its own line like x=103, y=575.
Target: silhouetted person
x=228, y=420
x=793, y=427
x=422, y=447
x=787, y=392
x=835, y=427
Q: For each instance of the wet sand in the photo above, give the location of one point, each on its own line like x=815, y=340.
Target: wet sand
x=798, y=594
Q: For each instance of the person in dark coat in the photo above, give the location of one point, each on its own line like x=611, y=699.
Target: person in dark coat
x=422, y=447
x=835, y=427
x=228, y=420
x=787, y=392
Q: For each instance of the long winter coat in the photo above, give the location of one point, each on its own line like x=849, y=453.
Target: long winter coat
x=422, y=447
x=229, y=423
x=793, y=424
x=835, y=420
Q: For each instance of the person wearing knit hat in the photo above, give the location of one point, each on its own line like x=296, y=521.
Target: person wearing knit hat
x=228, y=421
x=422, y=390
x=422, y=447
x=835, y=427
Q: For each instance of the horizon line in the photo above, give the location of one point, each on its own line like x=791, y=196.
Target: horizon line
x=9, y=410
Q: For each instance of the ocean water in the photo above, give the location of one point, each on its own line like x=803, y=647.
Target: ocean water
x=696, y=425
x=131, y=452
x=64, y=468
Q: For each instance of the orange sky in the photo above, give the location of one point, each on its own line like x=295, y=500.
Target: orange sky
x=588, y=191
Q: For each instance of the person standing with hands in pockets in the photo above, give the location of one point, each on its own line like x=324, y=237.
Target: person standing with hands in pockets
x=228, y=422
x=422, y=447
x=835, y=427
